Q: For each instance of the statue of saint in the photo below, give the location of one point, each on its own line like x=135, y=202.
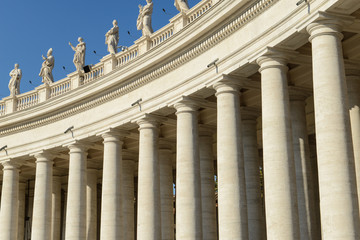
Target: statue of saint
x=144, y=18
x=181, y=5
x=14, y=83
x=79, y=56
x=112, y=38
x=47, y=67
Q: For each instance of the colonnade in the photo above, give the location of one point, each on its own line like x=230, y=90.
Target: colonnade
x=289, y=189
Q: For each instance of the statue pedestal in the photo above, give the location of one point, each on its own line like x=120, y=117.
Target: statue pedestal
x=110, y=62
x=44, y=91
x=76, y=79
x=144, y=44
x=10, y=104
x=179, y=21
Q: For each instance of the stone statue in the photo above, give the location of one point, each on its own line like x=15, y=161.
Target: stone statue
x=144, y=18
x=112, y=38
x=47, y=67
x=181, y=5
x=79, y=56
x=14, y=83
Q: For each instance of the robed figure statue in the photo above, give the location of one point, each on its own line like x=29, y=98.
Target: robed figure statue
x=144, y=18
x=14, y=83
x=112, y=38
x=47, y=67
x=79, y=55
x=181, y=5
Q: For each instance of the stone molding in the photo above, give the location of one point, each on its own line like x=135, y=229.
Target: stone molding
x=224, y=31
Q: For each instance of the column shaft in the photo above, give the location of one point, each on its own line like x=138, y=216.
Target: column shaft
x=128, y=199
x=207, y=173
x=21, y=227
x=304, y=182
x=338, y=194
x=91, y=205
x=9, y=213
x=188, y=186
x=279, y=172
x=166, y=194
x=41, y=221
x=233, y=222
x=76, y=196
x=111, y=203
x=353, y=83
x=56, y=209
x=252, y=177
x=149, y=215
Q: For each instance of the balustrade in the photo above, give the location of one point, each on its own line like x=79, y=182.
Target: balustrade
x=198, y=10
x=32, y=98
x=96, y=72
x=127, y=55
x=27, y=100
x=2, y=108
x=60, y=88
x=161, y=35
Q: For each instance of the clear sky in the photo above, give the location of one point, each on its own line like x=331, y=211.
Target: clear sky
x=28, y=28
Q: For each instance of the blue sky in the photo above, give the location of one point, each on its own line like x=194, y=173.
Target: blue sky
x=29, y=28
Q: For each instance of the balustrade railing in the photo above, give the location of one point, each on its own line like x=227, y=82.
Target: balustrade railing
x=127, y=55
x=198, y=10
x=32, y=98
x=161, y=35
x=60, y=87
x=27, y=100
x=2, y=108
x=96, y=72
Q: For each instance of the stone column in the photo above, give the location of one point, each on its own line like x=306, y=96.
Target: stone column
x=21, y=227
x=98, y=207
x=337, y=181
x=256, y=224
x=91, y=204
x=149, y=215
x=76, y=196
x=64, y=214
x=41, y=220
x=166, y=191
x=188, y=185
x=232, y=210
x=304, y=182
x=111, y=204
x=9, y=213
x=353, y=84
x=56, y=208
x=128, y=165
x=282, y=220
x=207, y=173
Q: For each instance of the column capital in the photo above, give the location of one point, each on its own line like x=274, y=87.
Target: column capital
x=352, y=68
x=165, y=145
x=128, y=155
x=229, y=84
x=11, y=164
x=328, y=24
x=275, y=58
x=186, y=105
x=206, y=130
x=149, y=121
x=113, y=135
x=43, y=156
x=57, y=179
x=249, y=113
x=78, y=146
x=298, y=94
